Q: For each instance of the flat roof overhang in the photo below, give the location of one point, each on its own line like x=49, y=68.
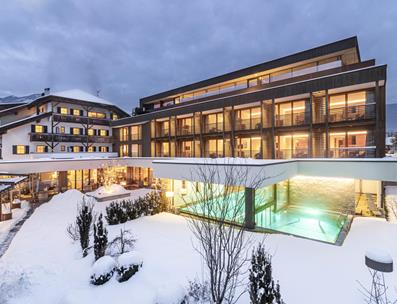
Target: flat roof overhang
x=270, y=171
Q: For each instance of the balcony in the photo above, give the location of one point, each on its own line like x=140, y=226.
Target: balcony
x=359, y=112
x=163, y=132
x=213, y=127
x=292, y=153
x=186, y=154
x=70, y=138
x=295, y=119
x=185, y=130
x=248, y=124
x=81, y=119
x=213, y=154
x=352, y=152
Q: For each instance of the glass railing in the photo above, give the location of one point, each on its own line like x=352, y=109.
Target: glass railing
x=185, y=130
x=294, y=119
x=213, y=127
x=163, y=132
x=265, y=79
x=352, y=152
x=292, y=153
x=213, y=154
x=358, y=112
x=248, y=124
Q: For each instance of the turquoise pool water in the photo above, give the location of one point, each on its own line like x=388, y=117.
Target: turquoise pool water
x=310, y=223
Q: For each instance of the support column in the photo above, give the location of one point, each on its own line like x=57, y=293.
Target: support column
x=249, y=194
x=62, y=181
x=275, y=197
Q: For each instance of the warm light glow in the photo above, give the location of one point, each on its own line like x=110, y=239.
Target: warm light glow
x=357, y=132
x=183, y=191
x=169, y=194
x=123, y=183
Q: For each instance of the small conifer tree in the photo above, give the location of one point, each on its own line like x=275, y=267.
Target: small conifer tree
x=262, y=288
x=83, y=221
x=100, y=238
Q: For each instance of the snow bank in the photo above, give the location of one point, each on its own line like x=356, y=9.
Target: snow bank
x=379, y=255
x=130, y=258
x=113, y=189
x=168, y=294
x=103, y=266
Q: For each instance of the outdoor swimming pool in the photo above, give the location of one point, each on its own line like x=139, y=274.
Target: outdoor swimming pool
x=308, y=222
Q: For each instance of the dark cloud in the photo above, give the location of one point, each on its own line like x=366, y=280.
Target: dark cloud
x=132, y=48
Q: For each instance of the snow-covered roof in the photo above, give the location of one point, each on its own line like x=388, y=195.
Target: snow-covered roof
x=81, y=95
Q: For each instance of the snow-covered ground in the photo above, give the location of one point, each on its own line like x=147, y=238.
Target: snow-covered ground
x=43, y=265
x=17, y=215
x=391, y=203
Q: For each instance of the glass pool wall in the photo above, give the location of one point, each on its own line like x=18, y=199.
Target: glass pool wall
x=311, y=207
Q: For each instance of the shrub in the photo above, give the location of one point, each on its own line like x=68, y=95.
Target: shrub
x=102, y=270
x=120, y=212
x=100, y=238
x=83, y=222
x=73, y=232
x=115, y=214
x=122, y=243
x=128, y=264
x=197, y=292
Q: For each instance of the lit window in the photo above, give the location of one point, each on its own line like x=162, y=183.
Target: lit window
x=90, y=149
x=39, y=129
x=20, y=149
x=90, y=132
x=123, y=134
x=76, y=112
x=75, y=131
x=62, y=129
x=115, y=116
x=102, y=132
x=103, y=149
x=96, y=114
x=40, y=149
x=63, y=111
x=135, y=148
x=135, y=132
x=76, y=149
x=123, y=150
x=63, y=148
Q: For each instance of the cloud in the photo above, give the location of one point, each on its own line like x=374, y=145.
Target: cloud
x=130, y=49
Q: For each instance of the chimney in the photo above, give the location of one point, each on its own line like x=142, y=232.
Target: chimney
x=46, y=91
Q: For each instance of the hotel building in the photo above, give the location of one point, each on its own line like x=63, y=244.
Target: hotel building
x=325, y=102
x=302, y=121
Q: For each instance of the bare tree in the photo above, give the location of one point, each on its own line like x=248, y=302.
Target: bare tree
x=218, y=222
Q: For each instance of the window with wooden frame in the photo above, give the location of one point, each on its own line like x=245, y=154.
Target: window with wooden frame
x=104, y=149
x=76, y=112
x=93, y=114
x=63, y=148
x=63, y=110
x=90, y=149
x=39, y=129
x=90, y=132
x=20, y=149
x=76, y=149
x=75, y=131
x=41, y=149
x=103, y=132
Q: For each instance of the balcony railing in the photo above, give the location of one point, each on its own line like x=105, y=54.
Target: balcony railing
x=213, y=154
x=186, y=154
x=213, y=127
x=163, y=132
x=294, y=119
x=248, y=153
x=352, y=152
x=81, y=119
x=248, y=124
x=135, y=137
x=358, y=112
x=292, y=153
x=70, y=138
x=185, y=130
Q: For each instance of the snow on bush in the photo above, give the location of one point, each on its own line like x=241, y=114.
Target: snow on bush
x=102, y=270
x=128, y=264
x=170, y=295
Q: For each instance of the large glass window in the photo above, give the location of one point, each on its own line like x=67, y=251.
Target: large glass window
x=123, y=134
x=247, y=119
x=186, y=148
x=214, y=122
x=292, y=146
x=185, y=126
x=135, y=150
x=350, y=144
x=135, y=132
x=214, y=148
x=123, y=150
